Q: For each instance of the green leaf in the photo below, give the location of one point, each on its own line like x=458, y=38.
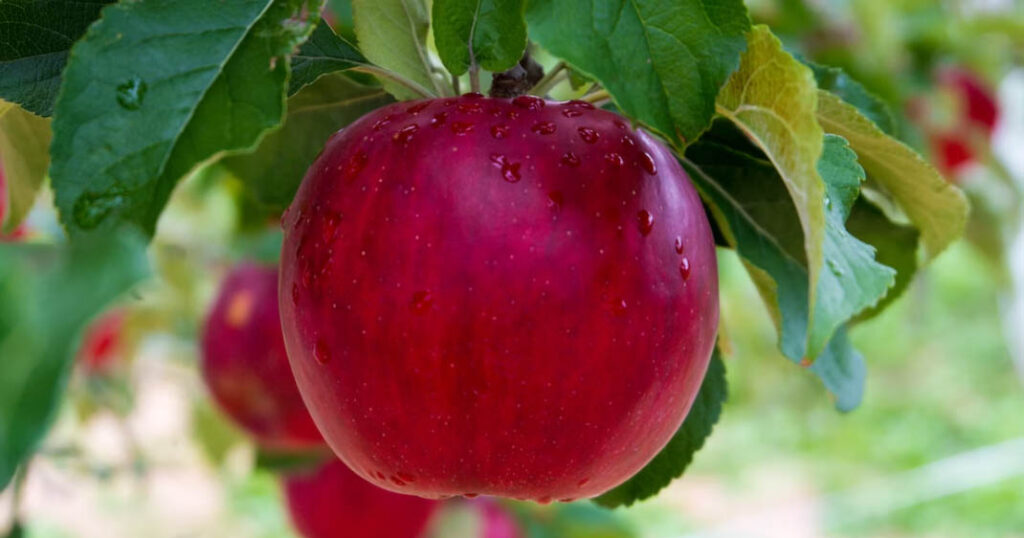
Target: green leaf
x=755, y=214
x=281, y=461
x=37, y=36
x=561, y=520
x=157, y=88
x=772, y=99
x=842, y=370
x=678, y=453
x=662, y=61
x=895, y=246
x=324, y=52
x=491, y=33
x=393, y=35
x=274, y=171
x=46, y=295
x=341, y=13
x=24, y=157
x=935, y=207
x=836, y=81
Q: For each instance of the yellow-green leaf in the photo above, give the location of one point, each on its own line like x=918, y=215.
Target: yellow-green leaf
x=772, y=98
x=937, y=208
x=24, y=158
x=393, y=34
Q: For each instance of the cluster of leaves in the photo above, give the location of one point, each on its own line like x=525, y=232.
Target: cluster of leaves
x=796, y=163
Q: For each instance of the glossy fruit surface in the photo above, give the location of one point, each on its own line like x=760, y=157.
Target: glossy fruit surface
x=333, y=502
x=489, y=296
x=245, y=365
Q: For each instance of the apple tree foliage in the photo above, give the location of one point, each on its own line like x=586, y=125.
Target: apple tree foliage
x=115, y=102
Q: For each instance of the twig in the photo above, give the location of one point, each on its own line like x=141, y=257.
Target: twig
x=395, y=77
x=550, y=80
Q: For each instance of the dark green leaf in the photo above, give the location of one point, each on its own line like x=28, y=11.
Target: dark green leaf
x=155, y=89
x=341, y=18
x=37, y=36
x=290, y=461
x=838, y=82
x=274, y=171
x=491, y=33
x=46, y=295
x=678, y=453
x=896, y=246
x=324, y=52
x=662, y=61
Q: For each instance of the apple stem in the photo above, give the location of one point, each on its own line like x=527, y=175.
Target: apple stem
x=395, y=77
x=550, y=80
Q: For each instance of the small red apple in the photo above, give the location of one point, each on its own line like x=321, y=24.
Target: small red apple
x=333, y=502
x=245, y=365
x=102, y=344
x=505, y=297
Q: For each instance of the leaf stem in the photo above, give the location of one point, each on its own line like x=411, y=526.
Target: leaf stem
x=455, y=85
x=474, y=78
x=395, y=77
x=549, y=81
x=597, y=97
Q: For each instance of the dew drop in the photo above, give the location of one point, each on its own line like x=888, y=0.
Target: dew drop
x=406, y=477
x=570, y=159
x=679, y=244
x=131, y=93
x=405, y=134
x=320, y=352
x=470, y=107
x=628, y=141
x=619, y=307
x=499, y=131
x=572, y=112
x=397, y=481
x=417, y=108
x=614, y=159
x=381, y=476
x=461, y=127
x=834, y=267
x=438, y=119
x=684, y=269
x=528, y=102
x=588, y=135
x=90, y=209
x=645, y=221
x=421, y=302
x=544, y=500
x=295, y=292
x=582, y=483
x=555, y=199
x=330, y=227
x=383, y=122
x=647, y=163
x=543, y=127
x=576, y=103
x=355, y=164
x=828, y=202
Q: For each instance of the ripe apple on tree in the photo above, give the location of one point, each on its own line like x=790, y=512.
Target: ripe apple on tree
x=511, y=297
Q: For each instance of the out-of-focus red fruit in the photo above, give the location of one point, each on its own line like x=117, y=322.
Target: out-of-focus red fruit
x=505, y=297
x=953, y=153
x=101, y=346
x=979, y=104
x=496, y=521
x=335, y=503
x=245, y=365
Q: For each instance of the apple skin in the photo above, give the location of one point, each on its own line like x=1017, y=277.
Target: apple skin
x=510, y=298
x=333, y=502
x=245, y=366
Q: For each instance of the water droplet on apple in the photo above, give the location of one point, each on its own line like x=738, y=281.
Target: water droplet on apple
x=576, y=103
x=421, y=302
x=571, y=112
x=470, y=107
x=499, y=131
x=528, y=102
x=438, y=119
x=320, y=352
x=588, y=135
x=555, y=199
x=647, y=163
x=417, y=108
x=684, y=269
x=570, y=159
x=619, y=307
x=543, y=127
x=614, y=159
x=645, y=221
x=461, y=127
x=679, y=244
x=405, y=134
x=470, y=495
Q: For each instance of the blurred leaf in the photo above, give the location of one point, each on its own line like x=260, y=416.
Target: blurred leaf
x=895, y=246
x=49, y=294
x=937, y=208
x=393, y=35
x=24, y=157
x=37, y=36
x=836, y=80
x=216, y=435
x=573, y=520
x=842, y=370
x=662, y=61
x=341, y=13
x=274, y=171
x=128, y=127
x=491, y=33
x=772, y=98
x=670, y=463
x=324, y=52
x=280, y=461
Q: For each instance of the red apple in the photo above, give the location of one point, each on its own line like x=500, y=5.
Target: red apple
x=489, y=296
x=102, y=346
x=333, y=502
x=245, y=365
